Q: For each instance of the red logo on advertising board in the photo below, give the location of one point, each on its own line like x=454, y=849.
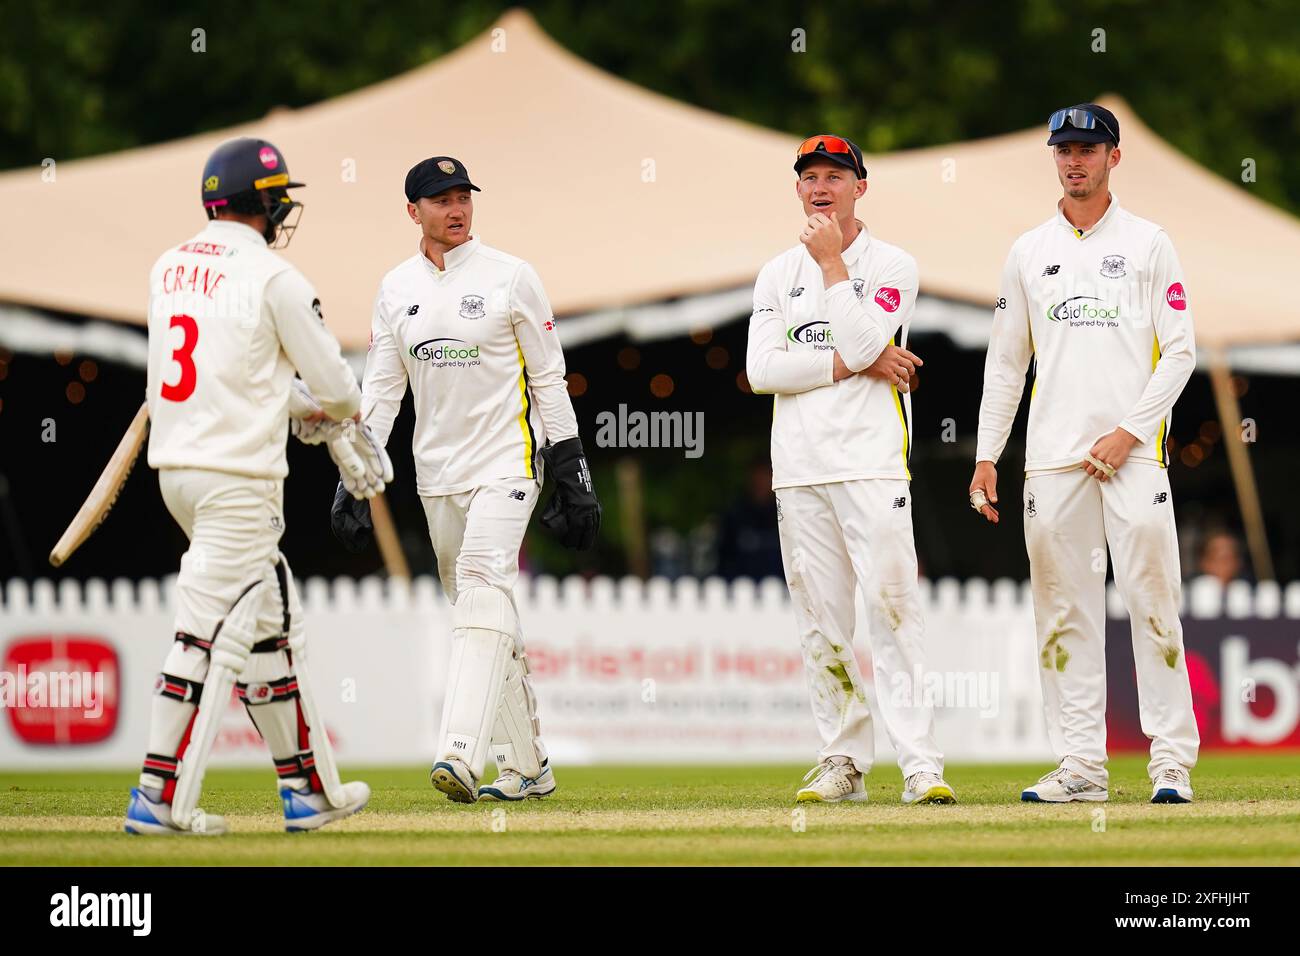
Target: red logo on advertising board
x=1176, y=297
x=888, y=299
x=267, y=155
x=60, y=689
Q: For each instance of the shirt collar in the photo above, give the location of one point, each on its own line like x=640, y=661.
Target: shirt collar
x=858, y=247
x=1105, y=218
x=236, y=230
x=452, y=258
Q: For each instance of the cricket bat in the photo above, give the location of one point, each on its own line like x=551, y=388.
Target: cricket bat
x=102, y=497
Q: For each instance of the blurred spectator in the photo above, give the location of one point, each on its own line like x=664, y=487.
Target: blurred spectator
x=748, y=544
x=1220, y=556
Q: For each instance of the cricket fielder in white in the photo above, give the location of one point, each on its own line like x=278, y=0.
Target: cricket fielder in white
x=826, y=338
x=1094, y=297
x=470, y=329
x=229, y=324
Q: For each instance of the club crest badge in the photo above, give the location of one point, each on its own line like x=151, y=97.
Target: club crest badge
x=1112, y=267
x=471, y=307
x=858, y=286
x=447, y=166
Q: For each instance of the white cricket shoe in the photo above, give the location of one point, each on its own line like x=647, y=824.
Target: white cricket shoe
x=834, y=780
x=146, y=817
x=1172, y=785
x=1063, y=786
x=453, y=778
x=926, y=787
x=513, y=785
x=304, y=810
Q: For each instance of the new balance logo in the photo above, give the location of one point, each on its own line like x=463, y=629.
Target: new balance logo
x=900, y=502
x=517, y=494
x=412, y=310
x=1051, y=270
x=1161, y=497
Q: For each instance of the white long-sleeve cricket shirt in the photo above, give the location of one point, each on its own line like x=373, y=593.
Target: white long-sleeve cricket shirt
x=822, y=430
x=477, y=343
x=1106, y=319
x=230, y=322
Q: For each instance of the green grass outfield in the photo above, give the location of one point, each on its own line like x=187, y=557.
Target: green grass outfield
x=1247, y=811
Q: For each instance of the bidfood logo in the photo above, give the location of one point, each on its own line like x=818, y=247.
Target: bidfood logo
x=1077, y=311
x=443, y=352
x=816, y=334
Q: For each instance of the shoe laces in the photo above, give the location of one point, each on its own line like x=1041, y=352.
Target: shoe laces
x=1172, y=775
x=826, y=766
x=915, y=782
x=1060, y=773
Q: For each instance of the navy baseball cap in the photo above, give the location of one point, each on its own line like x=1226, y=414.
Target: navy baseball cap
x=1084, y=123
x=436, y=175
x=835, y=149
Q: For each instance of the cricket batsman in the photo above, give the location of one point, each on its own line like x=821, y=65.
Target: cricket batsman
x=230, y=322
x=827, y=339
x=471, y=331
x=1094, y=297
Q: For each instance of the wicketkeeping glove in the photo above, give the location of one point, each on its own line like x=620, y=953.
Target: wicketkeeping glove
x=573, y=513
x=350, y=520
x=364, y=465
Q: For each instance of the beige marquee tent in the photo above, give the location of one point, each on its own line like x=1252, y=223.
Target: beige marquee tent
x=618, y=196
x=624, y=198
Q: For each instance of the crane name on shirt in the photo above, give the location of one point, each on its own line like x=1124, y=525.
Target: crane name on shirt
x=203, y=281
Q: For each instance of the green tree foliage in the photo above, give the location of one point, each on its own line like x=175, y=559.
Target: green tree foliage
x=1219, y=79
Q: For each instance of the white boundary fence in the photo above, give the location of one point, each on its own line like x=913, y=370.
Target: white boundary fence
x=626, y=671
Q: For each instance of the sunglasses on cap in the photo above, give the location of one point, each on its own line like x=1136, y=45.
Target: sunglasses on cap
x=1079, y=119
x=829, y=144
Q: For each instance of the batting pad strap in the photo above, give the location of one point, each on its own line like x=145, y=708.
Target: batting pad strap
x=299, y=765
x=270, y=645
x=161, y=765
x=178, y=688
x=194, y=641
x=254, y=693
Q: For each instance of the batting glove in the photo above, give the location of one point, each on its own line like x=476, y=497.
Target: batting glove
x=364, y=465
x=307, y=420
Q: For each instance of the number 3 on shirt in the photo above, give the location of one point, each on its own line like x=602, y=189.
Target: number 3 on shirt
x=184, y=357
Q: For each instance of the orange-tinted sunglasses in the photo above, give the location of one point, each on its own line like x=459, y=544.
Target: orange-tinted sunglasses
x=828, y=144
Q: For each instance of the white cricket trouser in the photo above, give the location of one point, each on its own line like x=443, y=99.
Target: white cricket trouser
x=833, y=537
x=476, y=537
x=234, y=525
x=1070, y=518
